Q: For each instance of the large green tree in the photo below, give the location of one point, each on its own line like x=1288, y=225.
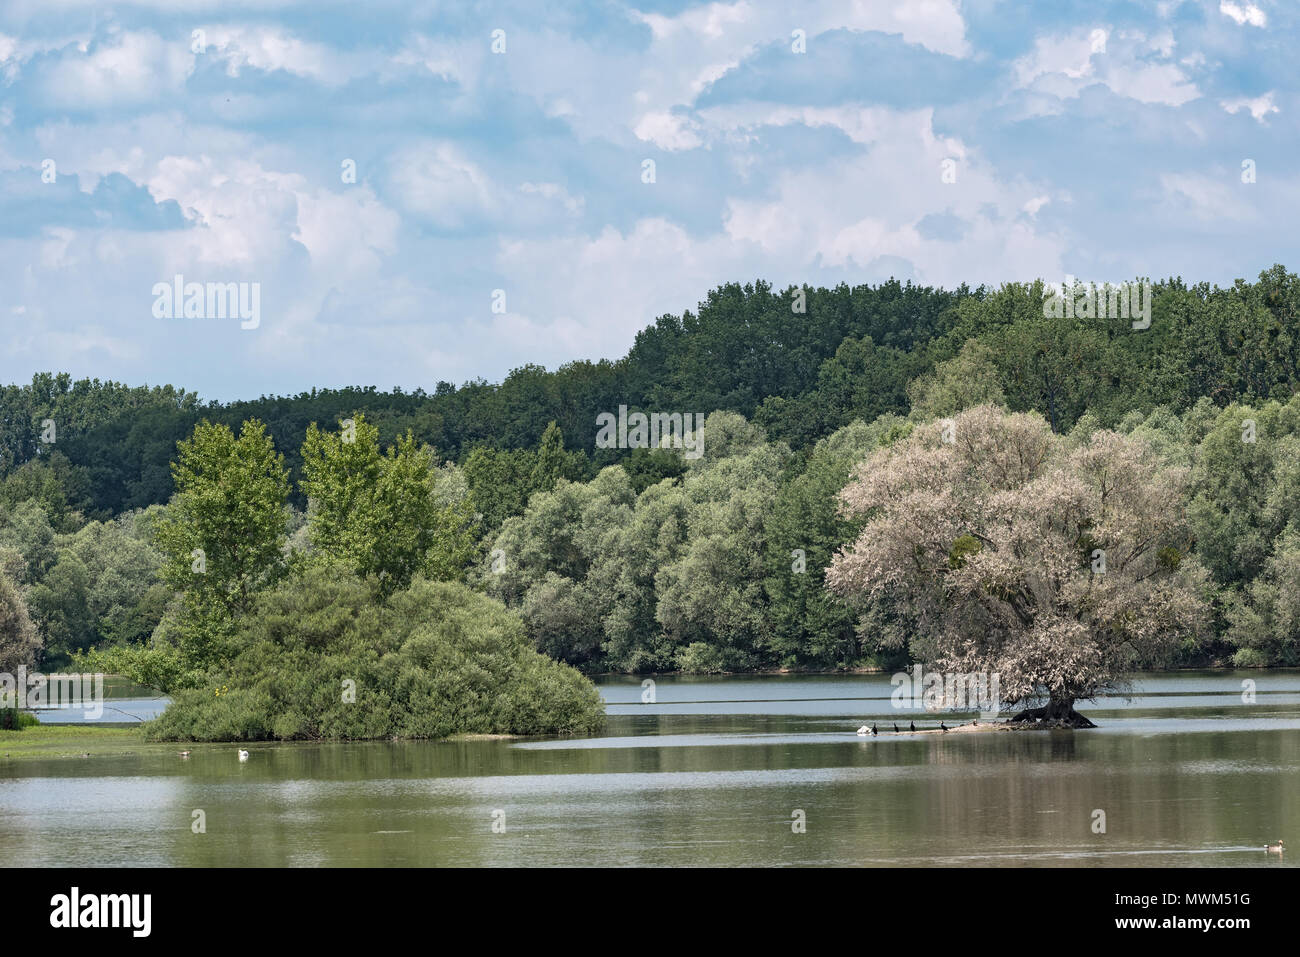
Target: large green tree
x=381, y=515
x=811, y=627
x=20, y=642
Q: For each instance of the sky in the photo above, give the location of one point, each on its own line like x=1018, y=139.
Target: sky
x=444, y=191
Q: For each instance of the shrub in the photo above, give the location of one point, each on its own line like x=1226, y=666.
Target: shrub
x=1250, y=658
x=12, y=719
x=434, y=660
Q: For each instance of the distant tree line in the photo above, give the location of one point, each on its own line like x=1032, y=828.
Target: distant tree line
x=642, y=560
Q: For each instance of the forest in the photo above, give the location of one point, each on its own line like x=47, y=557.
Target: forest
x=748, y=558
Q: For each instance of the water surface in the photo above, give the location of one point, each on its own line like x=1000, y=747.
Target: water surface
x=713, y=772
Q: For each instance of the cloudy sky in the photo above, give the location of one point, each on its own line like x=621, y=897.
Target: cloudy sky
x=942, y=141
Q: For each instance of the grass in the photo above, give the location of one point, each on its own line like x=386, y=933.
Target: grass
x=72, y=741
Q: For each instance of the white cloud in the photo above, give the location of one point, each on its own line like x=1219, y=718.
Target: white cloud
x=453, y=62
x=270, y=49
x=1033, y=205
x=125, y=68
x=609, y=93
x=1206, y=198
x=1243, y=13
x=823, y=215
x=1063, y=65
x=1259, y=107
x=668, y=131
x=573, y=205
x=442, y=186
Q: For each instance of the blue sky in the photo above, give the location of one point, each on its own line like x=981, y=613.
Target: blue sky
x=1099, y=140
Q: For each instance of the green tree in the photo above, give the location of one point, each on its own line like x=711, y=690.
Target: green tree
x=968, y=379
x=811, y=627
x=104, y=588
x=222, y=538
x=500, y=482
x=550, y=462
x=381, y=515
x=320, y=658
x=711, y=601
x=20, y=642
x=27, y=530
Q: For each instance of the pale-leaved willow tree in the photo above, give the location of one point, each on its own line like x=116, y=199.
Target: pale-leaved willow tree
x=1058, y=564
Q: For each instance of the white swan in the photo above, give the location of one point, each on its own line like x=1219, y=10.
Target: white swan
x=864, y=731
x=243, y=755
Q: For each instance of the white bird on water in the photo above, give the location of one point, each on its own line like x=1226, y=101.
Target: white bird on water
x=243, y=755
x=864, y=731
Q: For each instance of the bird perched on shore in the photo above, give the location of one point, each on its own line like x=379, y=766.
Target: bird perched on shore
x=942, y=726
x=243, y=755
x=911, y=726
x=864, y=731
x=1275, y=848
x=895, y=727
x=873, y=730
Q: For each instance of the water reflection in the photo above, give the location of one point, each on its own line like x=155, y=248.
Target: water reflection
x=1187, y=773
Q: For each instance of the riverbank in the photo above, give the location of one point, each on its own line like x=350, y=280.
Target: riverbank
x=81, y=740
x=73, y=741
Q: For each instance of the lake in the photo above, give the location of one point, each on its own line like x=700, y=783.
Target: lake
x=717, y=771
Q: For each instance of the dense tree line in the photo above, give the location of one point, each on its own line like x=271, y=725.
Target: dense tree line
x=642, y=560
x=850, y=354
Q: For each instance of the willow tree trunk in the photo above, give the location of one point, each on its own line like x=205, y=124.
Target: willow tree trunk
x=1058, y=712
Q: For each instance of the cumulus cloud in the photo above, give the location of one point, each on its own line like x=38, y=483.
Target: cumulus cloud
x=1243, y=13
x=1128, y=63
x=124, y=68
x=1259, y=107
x=439, y=184
x=926, y=139
x=269, y=49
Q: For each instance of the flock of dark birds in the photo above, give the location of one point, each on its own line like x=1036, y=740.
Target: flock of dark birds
x=911, y=726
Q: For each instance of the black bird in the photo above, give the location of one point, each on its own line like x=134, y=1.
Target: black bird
x=873, y=729
x=895, y=727
x=942, y=726
x=911, y=726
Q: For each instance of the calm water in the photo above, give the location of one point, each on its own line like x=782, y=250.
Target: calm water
x=711, y=774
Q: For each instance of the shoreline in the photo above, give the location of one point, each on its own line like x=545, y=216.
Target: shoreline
x=873, y=670
x=49, y=741
x=98, y=740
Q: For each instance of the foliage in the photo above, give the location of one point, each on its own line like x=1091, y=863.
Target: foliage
x=381, y=515
x=811, y=629
x=432, y=661
x=223, y=535
x=661, y=562
x=20, y=642
x=103, y=588
x=1068, y=588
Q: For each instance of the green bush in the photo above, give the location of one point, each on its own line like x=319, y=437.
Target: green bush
x=12, y=719
x=701, y=658
x=434, y=660
x=1250, y=658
